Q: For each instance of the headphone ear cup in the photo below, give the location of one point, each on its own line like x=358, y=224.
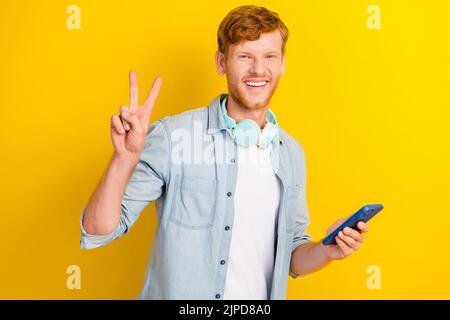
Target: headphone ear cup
x=267, y=135
x=246, y=133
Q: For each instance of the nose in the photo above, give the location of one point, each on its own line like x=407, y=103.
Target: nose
x=257, y=67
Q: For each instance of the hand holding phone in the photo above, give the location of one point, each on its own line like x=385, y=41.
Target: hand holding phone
x=364, y=214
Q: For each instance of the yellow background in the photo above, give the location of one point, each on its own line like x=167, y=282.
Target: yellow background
x=370, y=107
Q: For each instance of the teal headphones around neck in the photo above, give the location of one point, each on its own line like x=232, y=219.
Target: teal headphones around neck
x=247, y=132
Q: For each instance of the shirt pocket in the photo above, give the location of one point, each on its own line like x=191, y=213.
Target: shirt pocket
x=194, y=202
x=292, y=198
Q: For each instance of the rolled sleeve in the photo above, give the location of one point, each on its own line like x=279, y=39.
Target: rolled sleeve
x=91, y=241
x=301, y=237
x=306, y=239
x=145, y=185
x=302, y=218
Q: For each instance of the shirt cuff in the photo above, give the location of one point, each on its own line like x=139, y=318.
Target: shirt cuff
x=297, y=244
x=91, y=241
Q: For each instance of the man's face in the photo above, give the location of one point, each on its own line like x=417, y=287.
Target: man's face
x=253, y=69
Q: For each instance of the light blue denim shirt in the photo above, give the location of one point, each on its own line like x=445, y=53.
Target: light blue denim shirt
x=189, y=166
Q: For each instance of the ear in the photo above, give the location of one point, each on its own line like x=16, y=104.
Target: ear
x=220, y=63
x=283, y=64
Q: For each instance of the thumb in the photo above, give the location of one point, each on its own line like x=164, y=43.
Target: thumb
x=133, y=120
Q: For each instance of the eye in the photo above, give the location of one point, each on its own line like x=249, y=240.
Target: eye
x=243, y=57
x=270, y=56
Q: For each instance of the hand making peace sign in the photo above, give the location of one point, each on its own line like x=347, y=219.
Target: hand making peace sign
x=129, y=128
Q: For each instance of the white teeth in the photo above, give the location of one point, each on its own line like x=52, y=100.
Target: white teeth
x=255, y=84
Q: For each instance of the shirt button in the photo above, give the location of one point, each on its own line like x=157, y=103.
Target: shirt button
x=217, y=296
x=222, y=262
x=227, y=228
x=233, y=160
x=229, y=193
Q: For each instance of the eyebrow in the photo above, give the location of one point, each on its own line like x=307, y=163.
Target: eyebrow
x=271, y=52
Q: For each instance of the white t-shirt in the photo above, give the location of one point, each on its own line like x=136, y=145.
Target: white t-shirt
x=252, y=252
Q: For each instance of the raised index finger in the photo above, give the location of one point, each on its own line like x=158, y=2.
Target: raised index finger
x=151, y=98
x=133, y=91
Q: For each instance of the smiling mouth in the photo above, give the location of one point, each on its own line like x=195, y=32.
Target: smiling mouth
x=256, y=84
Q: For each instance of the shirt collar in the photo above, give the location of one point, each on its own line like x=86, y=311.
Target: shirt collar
x=215, y=119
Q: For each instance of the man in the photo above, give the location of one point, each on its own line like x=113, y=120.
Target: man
x=227, y=229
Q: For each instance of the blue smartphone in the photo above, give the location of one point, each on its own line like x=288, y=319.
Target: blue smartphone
x=364, y=214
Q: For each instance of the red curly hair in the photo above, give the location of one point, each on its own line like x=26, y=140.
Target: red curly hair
x=248, y=23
